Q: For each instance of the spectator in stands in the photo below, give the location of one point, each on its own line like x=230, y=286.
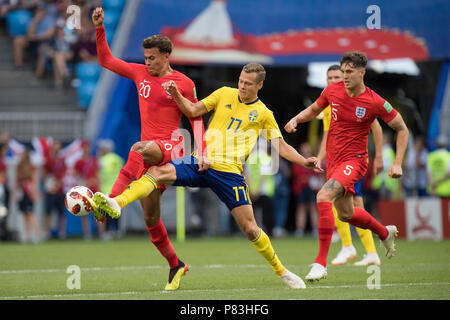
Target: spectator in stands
x=305, y=184
x=7, y=6
x=53, y=173
x=29, y=194
x=4, y=191
x=110, y=164
x=415, y=174
x=40, y=31
x=438, y=164
x=60, y=51
x=86, y=174
x=281, y=198
x=85, y=48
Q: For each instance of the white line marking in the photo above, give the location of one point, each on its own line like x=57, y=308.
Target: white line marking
x=131, y=293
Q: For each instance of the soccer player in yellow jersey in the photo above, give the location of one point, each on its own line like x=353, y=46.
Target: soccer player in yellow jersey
x=239, y=118
x=348, y=251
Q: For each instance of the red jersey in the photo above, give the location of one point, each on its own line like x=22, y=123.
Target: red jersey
x=351, y=118
x=55, y=171
x=87, y=169
x=160, y=115
x=300, y=180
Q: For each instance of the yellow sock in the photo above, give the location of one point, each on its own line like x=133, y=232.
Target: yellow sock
x=343, y=228
x=264, y=247
x=138, y=189
x=367, y=239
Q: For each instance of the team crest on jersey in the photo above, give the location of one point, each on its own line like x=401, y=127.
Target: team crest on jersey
x=360, y=112
x=253, y=115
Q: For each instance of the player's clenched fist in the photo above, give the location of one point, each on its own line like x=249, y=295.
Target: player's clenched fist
x=97, y=17
x=291, y=126
x=395, y=171
x=170, y=87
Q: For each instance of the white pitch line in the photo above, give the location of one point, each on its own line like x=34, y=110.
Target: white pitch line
x=130, y=293
x=125, y=268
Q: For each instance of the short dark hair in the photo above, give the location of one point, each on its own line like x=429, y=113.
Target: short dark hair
x=159, y=41
x=254, y=67
x=334, y=67
x=355, y=58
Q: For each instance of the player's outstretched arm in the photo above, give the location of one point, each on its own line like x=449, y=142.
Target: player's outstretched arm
x=395, y=171
x=105, y=57
x=189, y=109
x=306, y=115
x=289, y=153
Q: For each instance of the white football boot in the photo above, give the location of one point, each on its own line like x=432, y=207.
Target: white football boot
x=368, y=259
x=388, y=243
x=292, y=280
x=345, y=255
x=317, y=272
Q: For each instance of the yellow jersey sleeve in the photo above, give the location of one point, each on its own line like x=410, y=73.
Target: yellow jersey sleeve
x=213, y=99
x=326, y=120
x=271, y=130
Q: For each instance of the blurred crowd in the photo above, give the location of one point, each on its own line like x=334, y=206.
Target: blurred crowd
x=48, y=44
x=283, y=194
x=97, y=169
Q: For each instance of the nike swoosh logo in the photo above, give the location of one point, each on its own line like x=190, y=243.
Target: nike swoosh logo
x=333, y=104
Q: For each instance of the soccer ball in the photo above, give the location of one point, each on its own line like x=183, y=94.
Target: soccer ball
x=75, y=203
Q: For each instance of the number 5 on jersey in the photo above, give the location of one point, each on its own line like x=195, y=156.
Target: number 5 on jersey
x=348, y=170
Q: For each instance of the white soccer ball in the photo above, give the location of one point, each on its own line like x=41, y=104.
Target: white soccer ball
x=75, y=203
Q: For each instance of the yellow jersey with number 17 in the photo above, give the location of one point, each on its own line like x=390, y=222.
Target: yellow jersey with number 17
x=234, y=128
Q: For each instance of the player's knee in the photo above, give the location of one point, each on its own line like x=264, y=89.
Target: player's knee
x=323, y=196
x=138, y=147
x=156, y=172
x=149, y=150
x=151, y=219
x=251, y=231
x=344, y=215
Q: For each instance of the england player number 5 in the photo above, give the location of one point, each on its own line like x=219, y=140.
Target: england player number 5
x=348, y=170
x=334, y=113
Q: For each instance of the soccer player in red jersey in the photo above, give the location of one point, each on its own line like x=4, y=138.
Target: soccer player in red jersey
x=354, y=107
x=160, y=121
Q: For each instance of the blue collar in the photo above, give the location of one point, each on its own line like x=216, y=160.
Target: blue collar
x=256, y=100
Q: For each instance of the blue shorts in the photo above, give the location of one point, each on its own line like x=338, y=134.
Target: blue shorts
x=229, y=187
x=358, y=188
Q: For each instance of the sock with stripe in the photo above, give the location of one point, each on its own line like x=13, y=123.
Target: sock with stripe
x=367, y=240
x=137, y=190
x=263, y=245
x=343, y=228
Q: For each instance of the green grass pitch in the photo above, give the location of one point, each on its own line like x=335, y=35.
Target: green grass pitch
x=220, y=269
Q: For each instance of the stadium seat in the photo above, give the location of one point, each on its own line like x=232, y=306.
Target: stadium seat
x=85, y=93
x=112, y=18
x=88, y=71
x=110, y=37
x=17, y=22
x=113, y=4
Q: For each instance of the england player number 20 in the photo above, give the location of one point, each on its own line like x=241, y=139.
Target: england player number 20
x=144, y=90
